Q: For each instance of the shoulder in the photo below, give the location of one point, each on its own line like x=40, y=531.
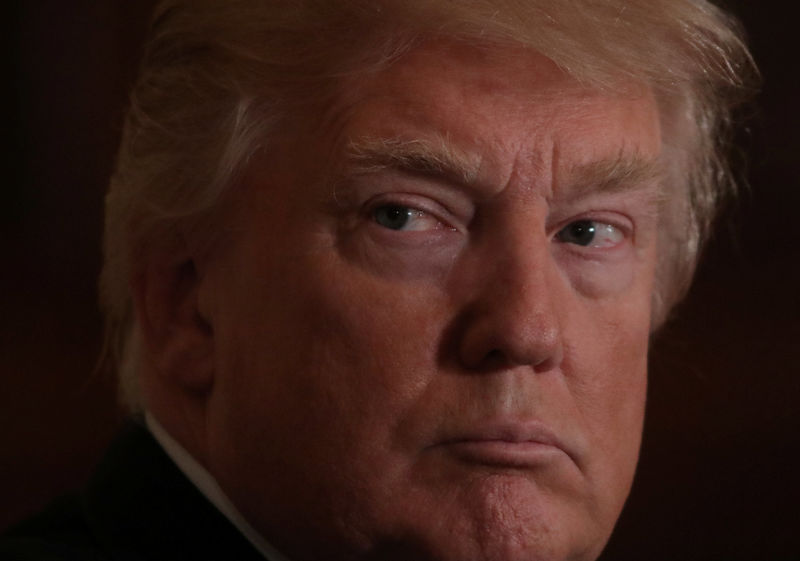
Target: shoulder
x=137, y=506
x=58, y=533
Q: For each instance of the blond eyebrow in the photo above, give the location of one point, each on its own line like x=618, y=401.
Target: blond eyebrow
x=427, y=157
x=439, y=158
x=621, y=173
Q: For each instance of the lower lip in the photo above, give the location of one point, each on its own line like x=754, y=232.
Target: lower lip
x=503, y=453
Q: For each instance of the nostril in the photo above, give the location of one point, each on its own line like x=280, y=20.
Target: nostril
x=494, y=357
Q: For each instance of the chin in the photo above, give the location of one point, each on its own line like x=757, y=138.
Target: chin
x=539, y=543
x=496, y=519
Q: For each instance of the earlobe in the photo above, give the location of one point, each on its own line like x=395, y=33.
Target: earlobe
x=177, y=339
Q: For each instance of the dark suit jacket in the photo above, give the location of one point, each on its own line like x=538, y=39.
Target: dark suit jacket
x=137, y=507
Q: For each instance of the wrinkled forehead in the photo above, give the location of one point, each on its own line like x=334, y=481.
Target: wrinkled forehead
x=464, y=104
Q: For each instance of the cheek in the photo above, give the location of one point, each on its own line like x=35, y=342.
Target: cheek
x=614, y=393
x=611, y=399
x=325, y=369
x=623, y=396
x=606, y=369
x=326, y=334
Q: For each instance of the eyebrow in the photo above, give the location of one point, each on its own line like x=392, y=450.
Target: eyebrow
x=435, y=157
x=439, y=158
x=611, y=175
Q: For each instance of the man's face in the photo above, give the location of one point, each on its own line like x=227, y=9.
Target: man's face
x=431, y=320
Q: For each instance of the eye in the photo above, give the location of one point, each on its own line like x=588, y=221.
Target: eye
x=404, y=218
x=591, y=233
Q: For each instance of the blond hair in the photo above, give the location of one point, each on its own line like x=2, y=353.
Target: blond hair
x=218, y=77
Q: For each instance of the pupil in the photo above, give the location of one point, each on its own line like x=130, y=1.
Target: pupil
x=582, y=232
x=392, y=216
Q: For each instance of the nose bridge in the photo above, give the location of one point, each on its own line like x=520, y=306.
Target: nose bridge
x=527, y=302
x=518, y=309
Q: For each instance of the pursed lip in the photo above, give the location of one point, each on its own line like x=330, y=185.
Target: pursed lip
x=512, y=444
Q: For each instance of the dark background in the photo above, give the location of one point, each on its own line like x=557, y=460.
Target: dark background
x=718, y=477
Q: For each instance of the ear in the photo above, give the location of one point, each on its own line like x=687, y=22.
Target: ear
x=177, y=340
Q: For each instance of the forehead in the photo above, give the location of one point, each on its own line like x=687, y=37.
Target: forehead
x=498, y=108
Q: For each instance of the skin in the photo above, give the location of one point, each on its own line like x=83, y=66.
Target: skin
x=467, y=387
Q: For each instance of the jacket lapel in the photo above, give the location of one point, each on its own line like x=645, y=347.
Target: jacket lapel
x=140, y=506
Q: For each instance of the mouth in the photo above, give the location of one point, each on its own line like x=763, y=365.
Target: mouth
x=517, y=445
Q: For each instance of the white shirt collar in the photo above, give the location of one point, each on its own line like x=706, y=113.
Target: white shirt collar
x=209, y=487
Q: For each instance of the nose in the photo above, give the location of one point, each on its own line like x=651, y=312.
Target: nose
x=515, y=314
